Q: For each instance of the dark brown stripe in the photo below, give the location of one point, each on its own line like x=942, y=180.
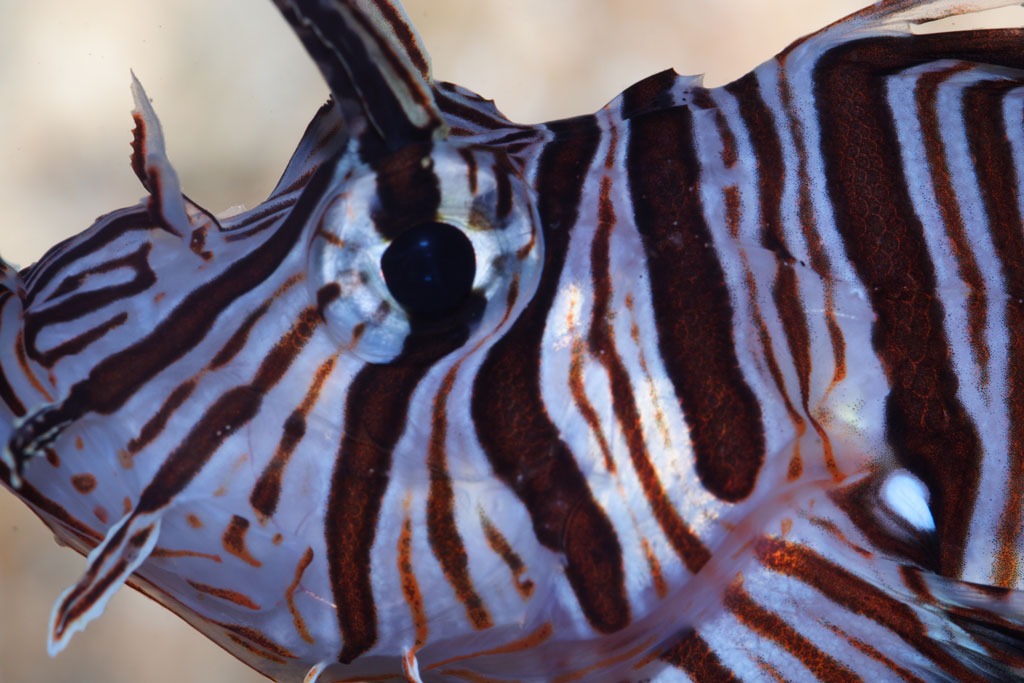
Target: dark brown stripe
x=240, y=599
x=7, y=394
x=442, y=531
x=289, y=595
x=692, y=654
x=602, y=347
x=770, y=626
x=342, y=52
x=926, y=425
x=238, y=338
x=500, y=545
x=761, y=127
x=155, y=425
x=586, y=408
x=267, y=491
x=481, y=118
x=80, y=602
x=998, y=176
x=407, y=191
x=232, y=411
x=650, y=94
x=405, y=36
x=515, y=431
x=89, y=589
x=859, y=597
x=926, y=99
x=875, y=654
x=118, y=377
x=256, y=642
x=106, y=230
x=812, y=235
x=375, y=411
x=77, y=306
x=233, y=540
x=78, y=343
x=410, y=586
x=692, y=308
x=768, y=352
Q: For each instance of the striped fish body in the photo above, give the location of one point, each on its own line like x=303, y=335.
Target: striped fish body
x=730, y=386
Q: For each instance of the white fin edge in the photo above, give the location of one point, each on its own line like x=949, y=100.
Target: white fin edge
x=150, y=163
x=125, y=547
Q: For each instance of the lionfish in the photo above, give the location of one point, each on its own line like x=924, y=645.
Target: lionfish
x=711, y=385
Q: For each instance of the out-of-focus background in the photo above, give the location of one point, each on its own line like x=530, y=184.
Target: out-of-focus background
x=234, y=91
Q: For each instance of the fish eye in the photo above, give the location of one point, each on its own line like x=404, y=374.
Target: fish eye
x=423, y=280
x=429, y=269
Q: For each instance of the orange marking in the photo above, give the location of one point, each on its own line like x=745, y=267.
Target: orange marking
x=604, y=664
x=443, y=534
x=194, y=521
x=330, y=238
x=127, y=504
x=19, y=351
x=732, y=210
x=531, y=640
x=278, y=539
x=660, y=587
x=79, y=444
x=659, y=414
x=125, y=458
x=234, y=540
x=770, y=670
x=267, y=491
x=583, y=403
x=101, y=513
x=874, y=654
x=225, y=594
x=837, y=532
x=796, y=464
x=830, y=458
x=52, y=457
x=609, y=159
x=83, y=483
x=787, y=526
x=289, y=596
x=818, y=258
x=442, y=531
x=499, y=544
x=164, y=552
x=771, y=626
x=256, y=642
x=410, y=586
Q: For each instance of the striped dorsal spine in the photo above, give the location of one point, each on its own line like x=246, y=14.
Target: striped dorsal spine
x=713, y=384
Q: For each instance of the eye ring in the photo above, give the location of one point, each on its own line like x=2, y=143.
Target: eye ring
x=429, y=269
x=374, y=319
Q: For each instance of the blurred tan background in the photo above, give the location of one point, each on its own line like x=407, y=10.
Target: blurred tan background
x=234, y=91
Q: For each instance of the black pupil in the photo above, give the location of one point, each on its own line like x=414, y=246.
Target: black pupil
x=429, y=268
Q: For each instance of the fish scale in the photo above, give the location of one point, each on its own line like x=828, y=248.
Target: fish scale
x=694, y=403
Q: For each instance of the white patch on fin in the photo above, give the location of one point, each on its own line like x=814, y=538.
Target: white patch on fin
x=313, y=675
x=126, y=546
x=151, y=165
x=907, y=496
x=411, y=667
